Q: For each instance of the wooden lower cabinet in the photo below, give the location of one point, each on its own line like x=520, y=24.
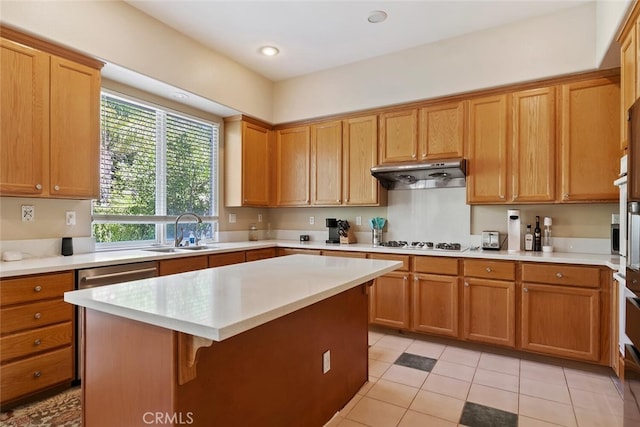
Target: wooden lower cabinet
x=489, y=311
x=293, y=251
x=435, y=304
x=561, y=321
x=218, y=260
x=257, y=254
x=389, y=300
x=183, y=265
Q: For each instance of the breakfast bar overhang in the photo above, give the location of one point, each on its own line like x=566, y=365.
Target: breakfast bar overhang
x=276, y=342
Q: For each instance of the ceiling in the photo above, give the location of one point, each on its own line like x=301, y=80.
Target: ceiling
x=318, y=35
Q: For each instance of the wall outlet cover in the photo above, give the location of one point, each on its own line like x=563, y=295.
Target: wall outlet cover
x=70, y=217
x=28, y=213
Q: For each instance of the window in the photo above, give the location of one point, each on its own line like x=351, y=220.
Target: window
x=154, y=165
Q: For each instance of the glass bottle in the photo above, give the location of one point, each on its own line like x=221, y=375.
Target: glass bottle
x=537, y=236
x=253, y=233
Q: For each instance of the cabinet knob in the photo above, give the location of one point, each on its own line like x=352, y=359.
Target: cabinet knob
x=338, y=200
x=525, y=290
x=559, y=275
x=37, y=374
x=566, y=196
x=466, y=284
x=38, y=186
x=415, y=279
x=501, y=196
x=56, y=187
x=37, y=288
x=515, y=196
x=488, y=269
x=37, y=342
x=37, y=316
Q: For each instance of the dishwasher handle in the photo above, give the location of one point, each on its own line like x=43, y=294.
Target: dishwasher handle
x=118, y=275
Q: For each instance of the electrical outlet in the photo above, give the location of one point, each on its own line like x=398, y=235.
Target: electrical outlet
x=232, y=218
x=28, y=213
x=70, y=217
x=358, y=220
x=326, y=361
x=259, y=217
x=312, y=220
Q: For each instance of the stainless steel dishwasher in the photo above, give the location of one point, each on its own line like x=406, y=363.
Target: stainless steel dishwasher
x=102, y=276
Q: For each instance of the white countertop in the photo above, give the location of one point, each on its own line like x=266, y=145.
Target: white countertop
x=97, y=259
x=218, y=303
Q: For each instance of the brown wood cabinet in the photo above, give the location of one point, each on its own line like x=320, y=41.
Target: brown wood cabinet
x=398, y=136
x=442, y=131
x=182, y=265
x=36, y=335
x=389, y=297
x=629, y=70
x=533, y=146
x=360, y=145
x=247, y=169
x=50, y=111
x=294, y=251
x=218, y=260
x=326, y=163
x=560, y=310
x=487, y=150
x=435, y=296
x=589, y=143
x=292, y=166
x=258, y=254
x=489, y=303
x=345, y=254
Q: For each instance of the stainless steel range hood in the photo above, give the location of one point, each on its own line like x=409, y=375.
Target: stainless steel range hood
x=427, y=174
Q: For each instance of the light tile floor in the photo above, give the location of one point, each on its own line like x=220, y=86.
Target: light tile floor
x=422, y=381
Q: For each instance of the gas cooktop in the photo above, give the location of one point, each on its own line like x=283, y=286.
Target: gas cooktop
x=425, y=246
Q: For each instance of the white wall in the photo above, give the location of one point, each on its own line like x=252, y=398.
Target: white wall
x=118, y=33
x=610, y=15
x=547, y=46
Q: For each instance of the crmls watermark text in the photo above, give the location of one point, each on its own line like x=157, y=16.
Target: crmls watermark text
x=166, y=418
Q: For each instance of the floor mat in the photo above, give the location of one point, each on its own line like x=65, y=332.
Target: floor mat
x=61, y=410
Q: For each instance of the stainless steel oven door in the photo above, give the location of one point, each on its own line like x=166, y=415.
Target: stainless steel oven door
x=631, y=387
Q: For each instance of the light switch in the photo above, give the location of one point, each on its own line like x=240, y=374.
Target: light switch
x=232, y=218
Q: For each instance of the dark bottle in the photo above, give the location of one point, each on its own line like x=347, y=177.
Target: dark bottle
x=537, y=236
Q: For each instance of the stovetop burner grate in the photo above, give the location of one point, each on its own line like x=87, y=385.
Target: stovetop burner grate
x=403, y=244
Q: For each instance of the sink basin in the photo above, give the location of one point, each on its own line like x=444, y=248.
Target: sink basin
x=163, y=250
x=180, y=249
x=195, y=248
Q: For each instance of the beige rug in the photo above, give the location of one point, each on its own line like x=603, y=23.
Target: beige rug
x=61, y=410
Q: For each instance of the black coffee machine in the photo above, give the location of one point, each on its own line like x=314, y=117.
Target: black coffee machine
x=332, y=225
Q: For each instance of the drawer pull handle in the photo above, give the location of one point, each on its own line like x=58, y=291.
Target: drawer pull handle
x=525, y=289
x=37, y=288
x=37, y=374
x=37, y=316
x=466, y=284
x=559, y=275
x=488, y=269
x=37, y=342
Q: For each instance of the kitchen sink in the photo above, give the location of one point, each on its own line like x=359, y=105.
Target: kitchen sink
x=180, y=249
x=163, y=250
x=195, y=248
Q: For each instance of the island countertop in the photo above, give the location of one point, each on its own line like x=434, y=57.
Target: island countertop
x=218, y=303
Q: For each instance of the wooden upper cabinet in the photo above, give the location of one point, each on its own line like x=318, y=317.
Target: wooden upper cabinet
x=533, y=147
x=629, y=70
x=590, y=137
x=75, y=129
x=292, y=166
x=247, y=164
x=441, y=132
x=50, y=112
x=360, y=148
x=487, y=150
x=24, y=114
x=326, y=163
x=399, y=136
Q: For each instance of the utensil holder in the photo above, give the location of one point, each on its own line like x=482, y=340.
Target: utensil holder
x=376, y=236
x=349, y=238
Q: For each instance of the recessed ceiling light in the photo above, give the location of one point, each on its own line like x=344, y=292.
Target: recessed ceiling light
x=269, y=50
x=180, y=95
x=377, y=16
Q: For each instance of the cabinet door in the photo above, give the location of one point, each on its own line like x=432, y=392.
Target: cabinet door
x=629, y=80
x=489, y=311
x=442, y=131
x=533, y=147
x=589, y=146
x=74, y=129
x=258, y=254
x=435, y=304
x=360, y=148
x=326, y=163
x=561, y=321
x=487, y=167
x=389, y=300
x=292, y=168
x=399, y=136
x=255, y=165
x=219, y=260
x=182, y=265
x=24, y=114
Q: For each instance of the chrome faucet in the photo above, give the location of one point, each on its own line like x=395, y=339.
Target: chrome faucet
x=178, y=240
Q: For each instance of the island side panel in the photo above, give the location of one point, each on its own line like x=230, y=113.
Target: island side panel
x=129, y=371
x=272, y=375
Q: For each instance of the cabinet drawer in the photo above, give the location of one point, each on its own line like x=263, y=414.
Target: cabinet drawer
x=345, y=254
x=405, y=259
x=33, y=288
x=294, y=251
x=28, y=316
x=490, y=269
x=36, y=373
x=218, y=260
x=435, y=265
x=560, y=274
x=35, y=341
x=183, y=265
x=257, y=254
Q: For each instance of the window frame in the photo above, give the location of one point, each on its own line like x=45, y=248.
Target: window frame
x=162, y=220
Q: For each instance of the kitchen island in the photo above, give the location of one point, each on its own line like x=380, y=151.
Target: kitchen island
x=275, y=342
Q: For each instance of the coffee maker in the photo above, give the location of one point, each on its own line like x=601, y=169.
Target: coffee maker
x=334, y=235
